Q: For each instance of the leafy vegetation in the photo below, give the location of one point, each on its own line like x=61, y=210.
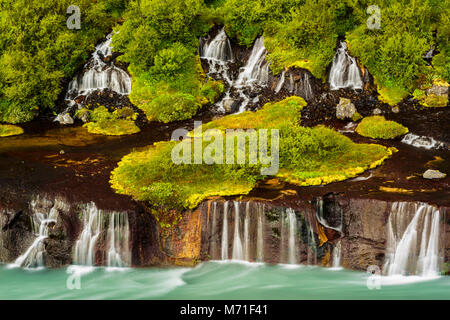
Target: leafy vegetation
x=378, y=127
x=117, y=123
x=7, y=130
x=394, y=53
x=160, y=40
x=37, y=50
x=308, y=156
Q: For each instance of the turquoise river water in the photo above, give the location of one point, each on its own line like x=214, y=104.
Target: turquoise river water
x=214, y=280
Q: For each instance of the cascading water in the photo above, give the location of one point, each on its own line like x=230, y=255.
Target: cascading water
x=344, y=71
x=413, y=242
x=247, y=232
x=237, y=243
x=251, y=78
x=225, y=232
x=117, y=237
x=292, y=234
x=118, y=240
x=337, y=255
x=41, y=219
x=289, y=228
x=84, y=253
x=423, y=142
x=280, y=83
x=312, y=248
x=259, y=234
x=320, y=217
x=246, y=229
x=257, y=69
x=214, y=229
x=99, y=75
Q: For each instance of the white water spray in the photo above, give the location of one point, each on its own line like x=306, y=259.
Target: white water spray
x=403, y=256
x=344, y=71
x=237, y=243
x=225, y=232
x=41, y=220
x=423, y=142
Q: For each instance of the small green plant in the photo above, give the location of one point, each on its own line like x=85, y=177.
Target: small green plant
x=7, y=130
x=378, y=127
x=107, y=123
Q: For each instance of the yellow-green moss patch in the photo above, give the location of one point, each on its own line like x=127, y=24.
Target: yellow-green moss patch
x=117, y=123
x=7, y=130
x=377, y=127
x=308, y=156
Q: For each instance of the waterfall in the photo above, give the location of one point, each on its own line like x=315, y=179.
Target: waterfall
x=218, y=50
x=292, y=234
x=257, y=69
x=312, y=254
x=337, y=255
x=323, y=221
x=118, y=240
x=259, y=235
x=280, y=83
x=252, y=77
x=237, y=243
x=84, y=253
x=225, y=232
x=247, y=232
x=344, y=71
x=413, y=242
x=423, y=142
x=214, y=229
x=288, y=226
x=90, y=239
x=41, y=219
x=99, y=74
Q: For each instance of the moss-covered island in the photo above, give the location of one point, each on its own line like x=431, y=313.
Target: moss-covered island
x=378, y=127
x=307, y=156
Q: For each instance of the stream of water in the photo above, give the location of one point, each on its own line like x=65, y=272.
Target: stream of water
x=216, y=280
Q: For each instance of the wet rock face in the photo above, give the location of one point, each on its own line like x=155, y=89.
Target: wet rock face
x=358, y=225
x=365, y=237
x=15, y=234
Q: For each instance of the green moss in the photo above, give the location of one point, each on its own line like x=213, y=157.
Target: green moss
x=7, y=130
x=419, y=94
x=171, y=107
x=392, y=95
x=126, y=113
x=378, y=127
x=212, y=90
x=356, y=117
x=308, y=156
x=106, y=123
x=434, y=101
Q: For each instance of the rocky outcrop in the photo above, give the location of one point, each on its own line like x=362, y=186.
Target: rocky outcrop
x=360, y=225
x=299, y=231
x=433, y=174
x=345, y=109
